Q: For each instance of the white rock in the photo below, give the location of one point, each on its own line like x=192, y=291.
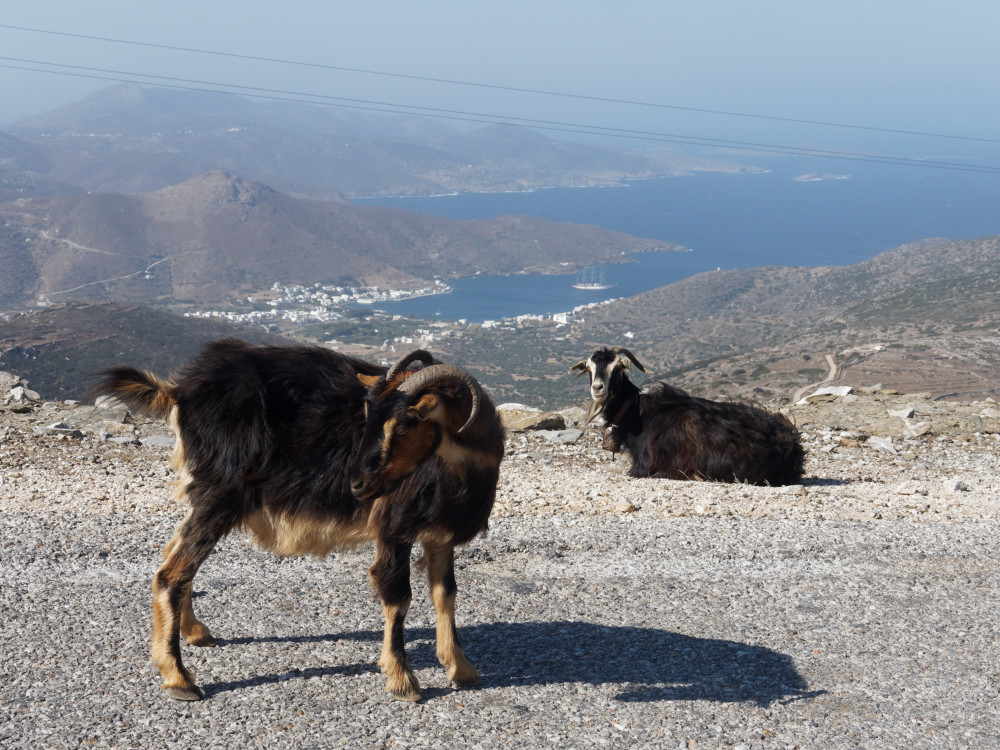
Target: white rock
x=20, y=393
x=560, y=436
x=516, y=407
x=830, y=390
x=881, y=444
x=834, y=390
x=158, y=441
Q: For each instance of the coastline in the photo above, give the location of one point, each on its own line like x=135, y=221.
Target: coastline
x=617, y=183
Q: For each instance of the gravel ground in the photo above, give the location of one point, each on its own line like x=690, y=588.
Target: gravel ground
x=856, y=610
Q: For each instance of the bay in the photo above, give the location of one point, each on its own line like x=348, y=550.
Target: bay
x=727, y=220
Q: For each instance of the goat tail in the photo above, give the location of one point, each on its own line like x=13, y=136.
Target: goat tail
x=140, y=390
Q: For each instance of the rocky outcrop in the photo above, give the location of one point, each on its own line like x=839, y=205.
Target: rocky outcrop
x=872, y=454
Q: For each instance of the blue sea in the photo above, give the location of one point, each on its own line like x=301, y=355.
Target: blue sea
x=727, y=220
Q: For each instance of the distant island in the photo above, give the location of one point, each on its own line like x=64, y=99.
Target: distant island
x=814, y=177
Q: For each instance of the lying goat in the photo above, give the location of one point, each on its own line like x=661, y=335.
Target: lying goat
x=311, y=451
x=673, y=435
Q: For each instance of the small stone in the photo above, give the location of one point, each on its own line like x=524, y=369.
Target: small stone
x=124, y=440
x=826, y=394
x=158, y=441
x=560, y=437
x=518, y=420
x=20, y=394
x=624, y=508
x=910, y=487
x=881, y=444
x=955, y=485
x=59, y=429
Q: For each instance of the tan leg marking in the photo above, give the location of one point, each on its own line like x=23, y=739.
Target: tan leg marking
x=168, y=623
x=177, y=680
x=459, y=669
x=400, y=681
x=195, y=632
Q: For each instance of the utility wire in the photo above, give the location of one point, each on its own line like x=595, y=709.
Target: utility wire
x=565, y=127
x=542, y=92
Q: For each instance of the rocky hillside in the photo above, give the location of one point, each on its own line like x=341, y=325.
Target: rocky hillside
x=871, y=454
x=922, y=317
x=131, y=139
x=57, y=349
x=25, y=171
x=719, y=313
x=218, y=236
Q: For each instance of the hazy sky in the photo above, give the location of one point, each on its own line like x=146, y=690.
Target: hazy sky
x=900, y=64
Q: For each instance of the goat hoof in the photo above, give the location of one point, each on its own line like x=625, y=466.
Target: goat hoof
x=466, y=681
x=200, y=637
x=193, y=693
x=463, y=674
x=403, y=687
x=406, y=694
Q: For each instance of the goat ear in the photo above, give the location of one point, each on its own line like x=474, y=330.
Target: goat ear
x=368, y=380
x=425, y=407
x=581, y=366
x=626, y=363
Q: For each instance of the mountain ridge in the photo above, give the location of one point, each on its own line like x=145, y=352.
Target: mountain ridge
x=217, y=235
x=134, y=139
x=923, y=317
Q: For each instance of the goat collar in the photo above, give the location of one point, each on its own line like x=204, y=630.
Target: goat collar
x=629, y=403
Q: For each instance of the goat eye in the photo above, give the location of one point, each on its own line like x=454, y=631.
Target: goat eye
x=400, y=429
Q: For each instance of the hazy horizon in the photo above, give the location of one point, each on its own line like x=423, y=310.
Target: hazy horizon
x=920, y=67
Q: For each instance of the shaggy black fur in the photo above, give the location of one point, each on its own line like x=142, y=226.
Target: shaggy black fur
x=671, y=434
x=282, y=433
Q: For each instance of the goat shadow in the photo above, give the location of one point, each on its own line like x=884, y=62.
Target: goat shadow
x=648, y=663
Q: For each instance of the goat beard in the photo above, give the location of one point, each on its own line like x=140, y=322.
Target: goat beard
x=595, y=408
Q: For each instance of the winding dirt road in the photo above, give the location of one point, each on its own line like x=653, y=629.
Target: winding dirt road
x=831, y=376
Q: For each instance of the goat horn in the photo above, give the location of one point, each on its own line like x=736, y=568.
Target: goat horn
x=436, y=373
x=421, y=355
x=630, y=355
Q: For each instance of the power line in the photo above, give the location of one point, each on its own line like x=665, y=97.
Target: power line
x=569, y=127
x=564, y=127
x=498, y=87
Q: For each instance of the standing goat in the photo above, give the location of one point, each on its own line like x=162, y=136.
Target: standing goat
x=673, y=435
x=311, y=451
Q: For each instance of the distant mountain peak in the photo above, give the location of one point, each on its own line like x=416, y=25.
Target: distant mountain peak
x=218, y=188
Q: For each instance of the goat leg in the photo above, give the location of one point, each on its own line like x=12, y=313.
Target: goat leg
x=441, y=576
x=390, y=574
x=195, y=632
x=184, y=554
